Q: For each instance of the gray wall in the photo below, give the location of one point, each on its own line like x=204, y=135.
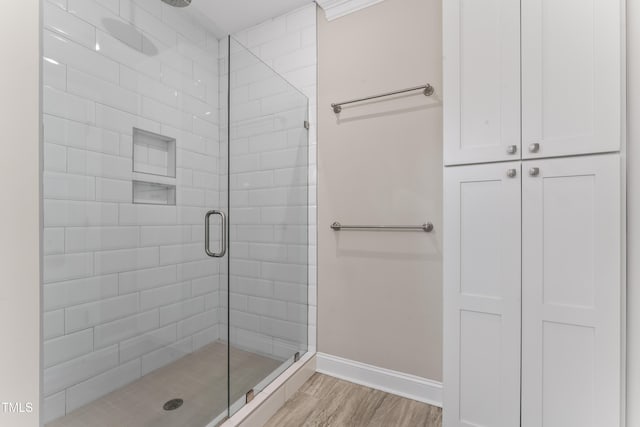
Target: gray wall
x=380, y=294
x=633, y=213
x=20, y=213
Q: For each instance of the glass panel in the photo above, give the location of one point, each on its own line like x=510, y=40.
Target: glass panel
x=131, y=301
x=138, y=141
x=268, y=263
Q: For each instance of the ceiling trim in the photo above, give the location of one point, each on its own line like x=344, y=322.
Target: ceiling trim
x=335, y=9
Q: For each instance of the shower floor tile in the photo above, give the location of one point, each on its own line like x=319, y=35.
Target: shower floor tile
x=200, y=379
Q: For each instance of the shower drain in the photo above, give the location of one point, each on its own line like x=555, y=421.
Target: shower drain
x=172, y=404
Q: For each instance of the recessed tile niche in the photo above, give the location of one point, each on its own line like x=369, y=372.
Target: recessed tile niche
x=153, y=153
x=154, y=168
x=153, y=193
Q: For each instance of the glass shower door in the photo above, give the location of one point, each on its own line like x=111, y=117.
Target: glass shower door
x=132, y=331
x=267, y=267
x=152, y=141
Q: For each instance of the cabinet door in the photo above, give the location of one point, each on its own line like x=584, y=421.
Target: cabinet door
x=572, y=77
x=482, y=295
x=481, y=80
x=571, y=292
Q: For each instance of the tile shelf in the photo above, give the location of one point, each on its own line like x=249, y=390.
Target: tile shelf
x=151, y=193
x=154, y=168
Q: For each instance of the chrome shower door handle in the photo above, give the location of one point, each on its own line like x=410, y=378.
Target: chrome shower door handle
x=223, y=234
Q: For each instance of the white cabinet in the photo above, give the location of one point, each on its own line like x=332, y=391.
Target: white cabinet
x=482, y=295
x=481, y=80
x=544, y=280
x=532, y=79
x=572, y=77
x=571, y=292
x=533, y=283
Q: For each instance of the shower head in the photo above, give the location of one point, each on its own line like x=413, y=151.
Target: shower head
x=178, y=3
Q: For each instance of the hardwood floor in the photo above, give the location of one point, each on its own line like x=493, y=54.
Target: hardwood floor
x=325, y=401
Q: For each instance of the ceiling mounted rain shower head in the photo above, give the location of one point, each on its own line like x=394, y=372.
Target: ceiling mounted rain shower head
x=178, y=3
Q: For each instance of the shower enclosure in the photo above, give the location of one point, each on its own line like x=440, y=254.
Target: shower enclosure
x=158, y=133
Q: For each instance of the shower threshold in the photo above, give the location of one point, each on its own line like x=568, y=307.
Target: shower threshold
x=199, y=379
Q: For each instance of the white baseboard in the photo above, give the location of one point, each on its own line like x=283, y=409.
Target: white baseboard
x=394, y=382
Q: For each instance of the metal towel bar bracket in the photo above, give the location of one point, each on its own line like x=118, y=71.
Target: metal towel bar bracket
x=427, y=90
x=426, y=227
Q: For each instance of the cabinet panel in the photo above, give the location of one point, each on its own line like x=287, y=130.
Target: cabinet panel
x=482, y=295
x=571, y=292
x=480, y=343
x=481, y=80
x=572, y=77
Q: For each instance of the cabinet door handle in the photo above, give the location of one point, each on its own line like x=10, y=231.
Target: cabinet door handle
x=534, y=148
x=512, y=149
x=511, y=173
x=534, y=171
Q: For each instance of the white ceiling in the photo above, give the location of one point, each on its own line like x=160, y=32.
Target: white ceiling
x=230, y=16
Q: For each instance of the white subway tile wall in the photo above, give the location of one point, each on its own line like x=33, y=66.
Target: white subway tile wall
x=273, y=272
x=126, y=286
